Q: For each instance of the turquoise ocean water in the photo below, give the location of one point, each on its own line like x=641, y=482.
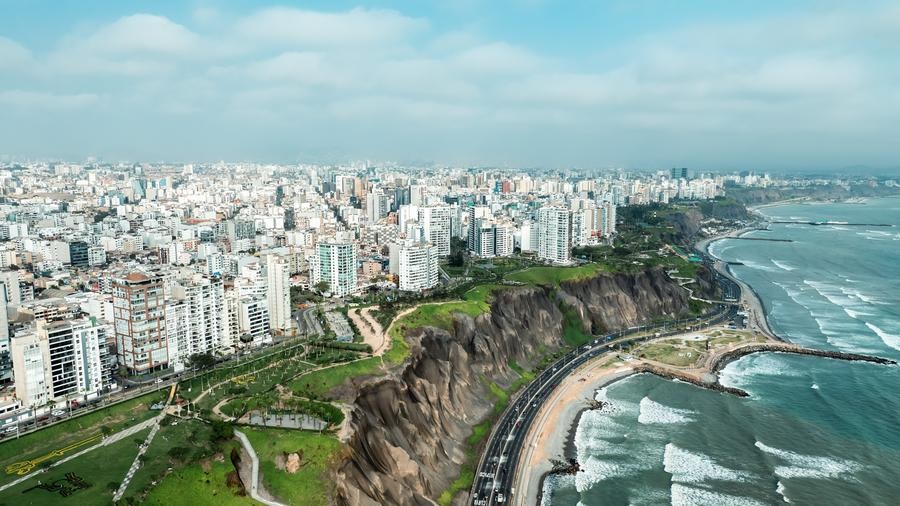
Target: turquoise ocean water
x=814, y=431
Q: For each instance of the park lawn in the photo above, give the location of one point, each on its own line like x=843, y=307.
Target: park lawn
x=667, y=353
x=553, y=276
x=251, y=383
x=482, y=293
x=309, y=485
x=195, y=485
x=191, y=434
x=101, y=468
x=116, y=417
x=317, y=384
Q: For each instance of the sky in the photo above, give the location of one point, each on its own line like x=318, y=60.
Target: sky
x=636, y=84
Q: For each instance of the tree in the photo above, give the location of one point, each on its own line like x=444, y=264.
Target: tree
x=202, y=360
x=221, y=431
x=322, y=286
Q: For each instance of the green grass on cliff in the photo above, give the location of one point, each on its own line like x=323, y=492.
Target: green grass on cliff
x=501, y=400
x=553, y=276
x=573, y=332
x=309, y=485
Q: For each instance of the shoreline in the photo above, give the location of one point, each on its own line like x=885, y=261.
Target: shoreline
x=757, y=314
x=566, y=406
x=569, y=450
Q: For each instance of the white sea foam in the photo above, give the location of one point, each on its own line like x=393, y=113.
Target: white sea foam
x=656, y=413
x=783, y=265
x=795, y=465
x=593, y=470
x=891, y=340
x=690, y=467
x=555, y=482
x=780, y=489
x=756, y=265
x=693, y=496
x=814, y=386
x=763, y=364
x=852, y=313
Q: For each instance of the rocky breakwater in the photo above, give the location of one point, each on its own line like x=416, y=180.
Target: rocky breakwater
x=410, y=428
x=722, y=360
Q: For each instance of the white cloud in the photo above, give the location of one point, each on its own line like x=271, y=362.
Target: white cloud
x=497, y=58
x=40, y=100
x=303, y=28
x=347, y=75
x=141, y=34
x=13, y=54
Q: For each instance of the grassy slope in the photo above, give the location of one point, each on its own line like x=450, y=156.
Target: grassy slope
x=309, y=484
x=553, y=276
x=318, y=384
x=192, y=485
x=39, y=443
x=98, y=467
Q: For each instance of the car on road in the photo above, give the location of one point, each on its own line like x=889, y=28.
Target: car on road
x=58, y=412
x=10, y=429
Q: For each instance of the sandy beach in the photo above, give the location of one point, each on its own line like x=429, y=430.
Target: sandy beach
x=556, y=422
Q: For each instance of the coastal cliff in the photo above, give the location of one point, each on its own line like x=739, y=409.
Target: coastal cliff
x=410, y=428
x=617, y=301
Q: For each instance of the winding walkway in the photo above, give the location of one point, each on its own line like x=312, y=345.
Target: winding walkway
x=254, y=474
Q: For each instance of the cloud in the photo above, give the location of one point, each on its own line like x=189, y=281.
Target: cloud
x=370, y=79
x=497, y=58
x=141, y=34
x=310, y=29
x=12, y=54
x=47, y=101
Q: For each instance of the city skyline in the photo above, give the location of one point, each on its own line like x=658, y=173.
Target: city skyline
x=526, y=83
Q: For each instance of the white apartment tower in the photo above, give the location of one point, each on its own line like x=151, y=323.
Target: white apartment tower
x=335, y=264
x=278, y=292
x=417, y=266
x=437, y=222
x=61, y=361
x=554, y=234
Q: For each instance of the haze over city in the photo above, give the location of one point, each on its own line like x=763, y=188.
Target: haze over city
x=648, y=84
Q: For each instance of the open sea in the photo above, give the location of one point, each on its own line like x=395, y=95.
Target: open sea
x=814, y=431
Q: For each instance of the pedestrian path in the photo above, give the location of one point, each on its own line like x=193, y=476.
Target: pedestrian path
x=118, y=436
x=254, y=473
x=137, y=459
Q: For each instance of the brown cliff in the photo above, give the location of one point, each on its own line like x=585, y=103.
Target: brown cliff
x=410, y=428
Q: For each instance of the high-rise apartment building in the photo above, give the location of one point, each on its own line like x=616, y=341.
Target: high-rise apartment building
x=139, y=316
x=61, y=361
x=335, y=263
x=5, y=357
x=278, y=292
x=195, y=319
x=417, y=266
x=437, y=223
x=554, y=234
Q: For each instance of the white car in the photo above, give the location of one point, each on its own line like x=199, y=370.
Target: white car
x=10, y=429
x=58, y=412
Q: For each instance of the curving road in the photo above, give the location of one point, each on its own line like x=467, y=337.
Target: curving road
x=497, y=468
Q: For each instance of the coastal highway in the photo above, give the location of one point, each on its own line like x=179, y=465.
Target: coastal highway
x=497, y=468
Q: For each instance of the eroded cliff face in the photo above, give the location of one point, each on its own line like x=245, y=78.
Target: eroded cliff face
x=410, y=428
x=618, y=301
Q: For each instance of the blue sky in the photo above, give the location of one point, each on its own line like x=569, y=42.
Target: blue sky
x=640, y=84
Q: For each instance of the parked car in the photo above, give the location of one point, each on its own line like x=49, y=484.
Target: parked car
x=58, y=412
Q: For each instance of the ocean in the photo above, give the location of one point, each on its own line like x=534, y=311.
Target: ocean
x=814, y=431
